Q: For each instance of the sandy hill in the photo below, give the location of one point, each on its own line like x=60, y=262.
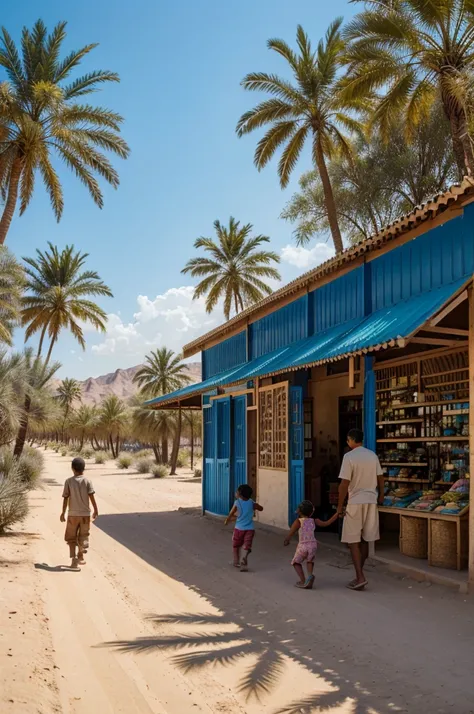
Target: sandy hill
x=120, y=383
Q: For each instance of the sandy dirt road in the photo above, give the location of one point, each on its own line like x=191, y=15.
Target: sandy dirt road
x=158, y=623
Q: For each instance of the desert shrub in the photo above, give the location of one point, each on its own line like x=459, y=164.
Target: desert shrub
x=124, y=461
x=101, y=457
x=144, y=454
x=159, y=470
x=13, y=499
x=197, y=473
x=28, y=468
x=143, y=466
x=87, y=452
x=183, y=458
x=63, y=451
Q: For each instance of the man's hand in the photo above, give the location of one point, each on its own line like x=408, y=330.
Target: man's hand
x=62, y=518
x=95, y=515
x=340, y=511
x=380, y=501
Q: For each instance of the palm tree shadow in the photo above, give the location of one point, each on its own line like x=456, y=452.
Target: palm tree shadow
x=219, y=641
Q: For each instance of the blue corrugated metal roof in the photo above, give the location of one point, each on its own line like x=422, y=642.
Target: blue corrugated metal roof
x=398, y=321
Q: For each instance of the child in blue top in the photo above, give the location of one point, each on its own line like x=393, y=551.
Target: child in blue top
x=244, y=531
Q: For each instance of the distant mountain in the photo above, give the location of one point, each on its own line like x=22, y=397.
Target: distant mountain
x=120, y=383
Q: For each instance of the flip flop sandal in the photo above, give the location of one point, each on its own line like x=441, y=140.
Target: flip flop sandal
x=235, y=565
x=354, y=585
x=307, y=585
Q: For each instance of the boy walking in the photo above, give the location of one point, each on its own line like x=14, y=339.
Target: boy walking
x=78, y=494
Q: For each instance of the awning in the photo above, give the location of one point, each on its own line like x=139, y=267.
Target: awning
x=384, y=328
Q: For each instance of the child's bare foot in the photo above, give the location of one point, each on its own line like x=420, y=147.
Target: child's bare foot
x=80, y=559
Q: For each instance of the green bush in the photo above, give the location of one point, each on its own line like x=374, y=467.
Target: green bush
x=101, y=457
x=124, y=461
x=183, y=459
x=197, y=473
x=143, y=465
x=63, y=452
x=144, y=454
x=87, y=452
x=159, y=470
x=28, y=468
x=13, y=499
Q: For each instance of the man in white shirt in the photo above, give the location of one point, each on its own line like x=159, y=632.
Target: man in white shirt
x=362, y=483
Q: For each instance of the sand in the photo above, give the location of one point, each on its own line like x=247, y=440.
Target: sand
x=158, y=622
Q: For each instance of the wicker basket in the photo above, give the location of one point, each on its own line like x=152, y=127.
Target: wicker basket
x=443, y=544
x=414, y=536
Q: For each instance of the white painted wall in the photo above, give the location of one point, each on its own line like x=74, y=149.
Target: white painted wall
x=272, y=494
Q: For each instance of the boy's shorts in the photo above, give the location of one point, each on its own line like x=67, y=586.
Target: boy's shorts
x=243, y=538
x=77, y=531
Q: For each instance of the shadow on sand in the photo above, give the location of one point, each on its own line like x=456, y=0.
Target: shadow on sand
x=242, y=629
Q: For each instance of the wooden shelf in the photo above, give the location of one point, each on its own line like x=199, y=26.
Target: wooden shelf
x=397, y=389
x=407, y=480
x=443, y=402
x=423, y=439
x=417, y=420
x=399, y=463
x=443, y=483
x=423, y=514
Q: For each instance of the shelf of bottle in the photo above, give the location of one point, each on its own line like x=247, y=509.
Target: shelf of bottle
x=443, y=402
x=431, y=439
x=418, y=420
x=399, y=463
x=397, y=389
x=407, y=480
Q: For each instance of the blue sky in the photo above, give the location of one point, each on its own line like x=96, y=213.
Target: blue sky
x=180, y=65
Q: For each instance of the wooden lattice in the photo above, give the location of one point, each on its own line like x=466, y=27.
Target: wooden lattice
x=273, y=426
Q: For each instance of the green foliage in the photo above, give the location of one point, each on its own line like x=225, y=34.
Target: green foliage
x=43, y=119
x=143, y=466
x=87, y=452
x=183, y=458
x=13, y=498
x=124, y=461
x=27, y=468
x=234, y=269
x=144, y=454
x=163, y=372
x=101, y=457
x=64, y=451
x=159, y=470
x=12, y=280
x=197, y=473
x=58, y=297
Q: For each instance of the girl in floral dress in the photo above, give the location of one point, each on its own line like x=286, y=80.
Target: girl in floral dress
x=305, y=526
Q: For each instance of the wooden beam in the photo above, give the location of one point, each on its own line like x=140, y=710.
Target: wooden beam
x=449, y=308
x=351, y=373
x=471, y=437
x=446, y=331
x=435, y=341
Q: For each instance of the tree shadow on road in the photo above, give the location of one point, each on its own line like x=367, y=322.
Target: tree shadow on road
x=270, y=639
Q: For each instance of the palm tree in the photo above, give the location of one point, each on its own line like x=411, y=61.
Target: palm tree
x=69, y=391
x=234, y=269
x=163, y=372
x=38, y=376
x=84, y=421
x=12, y=281
x=415, y=53
x=114, y=421
x=58, y=292
x=193, y=419
x=310, y=108
x=154, y=426
x=40, y=116
x=12, y=385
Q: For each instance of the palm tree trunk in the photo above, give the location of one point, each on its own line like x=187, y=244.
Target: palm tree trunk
x=48, y=356
x=192, y=442
x=156, y=451
x=164, y=450
x=40, y=346
x=117, y=445
x=21, y=438
x=462, y=147
x=111, y=443
x=176, y=443
x=12, y=196
x=328, y=195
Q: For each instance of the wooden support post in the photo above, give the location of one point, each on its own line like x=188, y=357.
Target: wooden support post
x=351, y=373
x=471, y=437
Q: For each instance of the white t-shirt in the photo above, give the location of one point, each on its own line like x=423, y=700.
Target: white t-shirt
x=361, y=467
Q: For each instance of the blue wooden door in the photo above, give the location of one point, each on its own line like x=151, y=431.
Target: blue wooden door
x=209, y=485
x=296, y=470
x=239, y=445
x=223, y=453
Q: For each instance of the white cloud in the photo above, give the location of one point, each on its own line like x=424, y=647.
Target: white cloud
x=171, y=319
x=306, y=258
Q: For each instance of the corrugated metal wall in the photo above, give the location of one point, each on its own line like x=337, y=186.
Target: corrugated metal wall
x=439, y=257
x=226, y=354
x=280, y=328
x=339, y=301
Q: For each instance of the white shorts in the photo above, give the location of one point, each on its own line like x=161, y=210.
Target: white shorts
x=361, y=522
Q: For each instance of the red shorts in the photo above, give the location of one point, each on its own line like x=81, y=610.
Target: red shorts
x=243, y=538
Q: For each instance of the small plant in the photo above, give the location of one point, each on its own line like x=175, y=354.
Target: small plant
x=87, y=453
x=183, y=459
x=159, y=470
x=63, y=452
x=144, y=454
x=143, y=465
x=197, y=473
x=101, y=457
x=13, y=499
x=27, y=468
x=124, y=461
